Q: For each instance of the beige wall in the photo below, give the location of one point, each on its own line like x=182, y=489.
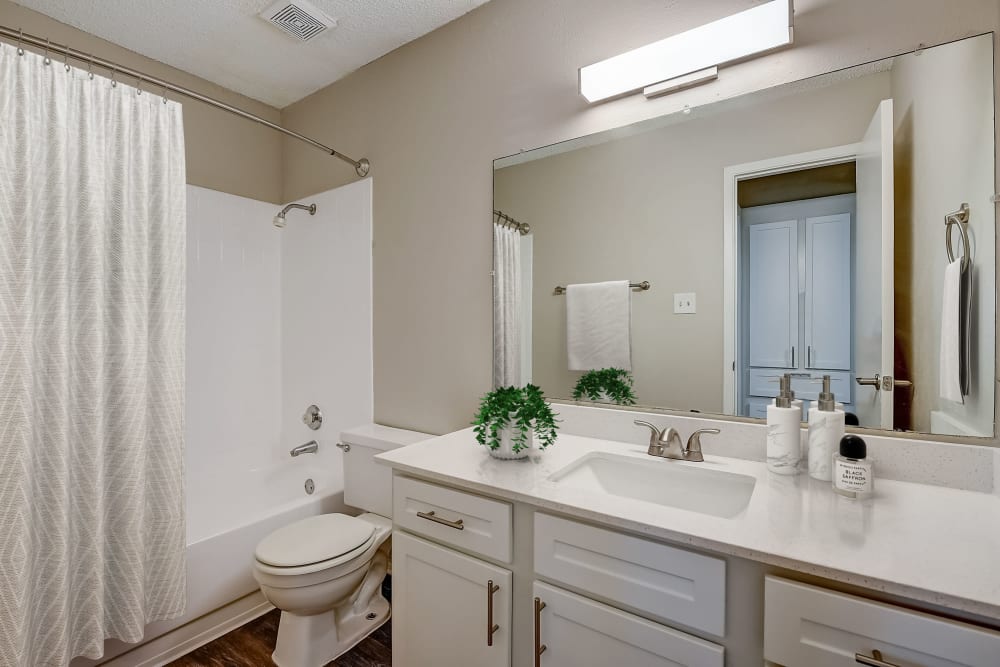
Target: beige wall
x=943, y=157
x=434, y=114
x=650, y=207
x=224, y=152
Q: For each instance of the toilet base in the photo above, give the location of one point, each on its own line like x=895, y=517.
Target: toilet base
x=314, y=641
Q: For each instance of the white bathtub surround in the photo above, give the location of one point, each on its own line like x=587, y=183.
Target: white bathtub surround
x=791, y=522
x=92, y=360
x=326, y=320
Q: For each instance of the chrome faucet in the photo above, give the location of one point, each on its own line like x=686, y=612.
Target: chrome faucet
x=667, y=443
x=308, y=448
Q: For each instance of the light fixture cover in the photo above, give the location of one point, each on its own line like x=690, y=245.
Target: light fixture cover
x=762, y=28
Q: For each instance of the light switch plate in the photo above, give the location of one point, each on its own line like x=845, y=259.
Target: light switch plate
x=685, y=303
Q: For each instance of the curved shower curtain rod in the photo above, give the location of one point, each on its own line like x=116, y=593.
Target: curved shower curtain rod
x=361, y=167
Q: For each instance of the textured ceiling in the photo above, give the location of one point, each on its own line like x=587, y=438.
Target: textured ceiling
x=225, y=41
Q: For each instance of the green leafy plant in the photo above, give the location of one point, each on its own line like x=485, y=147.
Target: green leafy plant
x=614, y=383
x=520, y=408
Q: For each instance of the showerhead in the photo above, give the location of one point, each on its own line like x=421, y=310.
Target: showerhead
x=279, y=220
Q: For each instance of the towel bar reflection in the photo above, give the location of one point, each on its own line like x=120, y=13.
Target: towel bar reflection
x=960, y=219
x=643, y=286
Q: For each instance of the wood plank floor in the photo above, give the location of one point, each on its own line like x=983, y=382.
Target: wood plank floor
x=251, y=646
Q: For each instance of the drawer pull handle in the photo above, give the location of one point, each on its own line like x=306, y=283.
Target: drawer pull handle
x=491, y=627
x=539, y=646
x=875, y=660
x=431, y=516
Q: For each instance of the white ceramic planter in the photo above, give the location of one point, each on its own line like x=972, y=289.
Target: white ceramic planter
x=506, y=448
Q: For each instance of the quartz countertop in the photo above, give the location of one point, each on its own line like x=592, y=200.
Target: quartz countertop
x=928, y=543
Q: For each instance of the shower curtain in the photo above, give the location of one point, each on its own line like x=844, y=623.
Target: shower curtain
x=506, y=306
x=92, y=270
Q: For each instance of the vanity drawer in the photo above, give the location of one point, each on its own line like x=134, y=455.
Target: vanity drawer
x=806, y=625
x=576, y=631
x=475, y=524
x=670, y=584
x=806, y=385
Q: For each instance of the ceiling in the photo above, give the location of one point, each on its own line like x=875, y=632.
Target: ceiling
x=225, y=41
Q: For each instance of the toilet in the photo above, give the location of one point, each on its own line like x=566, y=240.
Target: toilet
x=325, y=572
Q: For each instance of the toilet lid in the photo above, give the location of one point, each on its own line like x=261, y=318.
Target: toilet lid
x=313, y=540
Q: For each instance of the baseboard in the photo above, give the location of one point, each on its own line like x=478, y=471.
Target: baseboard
x=188, y=637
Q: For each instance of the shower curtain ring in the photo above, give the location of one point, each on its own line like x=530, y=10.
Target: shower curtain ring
x=47, y=60
x=114, y=74
x=164, y=94
x=138, y=86
x=90, y=67
x=20, y=35
x=66, y=58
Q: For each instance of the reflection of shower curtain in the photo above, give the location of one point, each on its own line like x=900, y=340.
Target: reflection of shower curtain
x=506, y=306
x=92, y=232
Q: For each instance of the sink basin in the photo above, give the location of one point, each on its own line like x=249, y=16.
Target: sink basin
x=668, y=483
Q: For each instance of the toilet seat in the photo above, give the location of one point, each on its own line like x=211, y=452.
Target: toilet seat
x=317, y=543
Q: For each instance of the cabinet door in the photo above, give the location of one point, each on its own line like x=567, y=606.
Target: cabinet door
x=773, y=294
x=441, y=607
x=828, y=292
x=576, y=631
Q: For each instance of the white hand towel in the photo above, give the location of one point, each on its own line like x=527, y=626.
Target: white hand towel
x=950, y=368
x=599, y=326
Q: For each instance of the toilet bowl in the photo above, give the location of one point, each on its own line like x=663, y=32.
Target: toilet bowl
x=325, y=572
x=325, y=575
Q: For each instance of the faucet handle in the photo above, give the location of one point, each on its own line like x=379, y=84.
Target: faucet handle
x=692, y=452
x=655, y=448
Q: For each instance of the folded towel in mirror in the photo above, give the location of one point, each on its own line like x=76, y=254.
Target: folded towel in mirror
x=599, y=325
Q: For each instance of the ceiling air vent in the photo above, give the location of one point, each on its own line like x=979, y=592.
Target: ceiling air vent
x=299, y=19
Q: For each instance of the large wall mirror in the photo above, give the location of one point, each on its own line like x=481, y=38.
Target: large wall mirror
x=841, y=225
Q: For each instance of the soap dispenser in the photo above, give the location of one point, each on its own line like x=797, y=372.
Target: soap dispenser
x=784, y=441
x=826, y=428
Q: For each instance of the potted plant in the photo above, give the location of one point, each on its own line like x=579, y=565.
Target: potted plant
x=509, y=417
x=609, y=385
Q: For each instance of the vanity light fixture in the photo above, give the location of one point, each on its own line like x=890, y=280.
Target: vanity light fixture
x=691, y=57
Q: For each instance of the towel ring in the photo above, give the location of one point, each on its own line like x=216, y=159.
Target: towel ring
x=960, y=219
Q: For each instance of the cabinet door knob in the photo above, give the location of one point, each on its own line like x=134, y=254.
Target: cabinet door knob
x=491, y=627
x=875, y=660
x=539, y=646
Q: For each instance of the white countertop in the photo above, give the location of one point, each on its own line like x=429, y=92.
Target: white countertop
x=927, y=543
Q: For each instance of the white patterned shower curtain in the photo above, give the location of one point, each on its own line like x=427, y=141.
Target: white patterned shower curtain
x=92, y=271
x=506, y=306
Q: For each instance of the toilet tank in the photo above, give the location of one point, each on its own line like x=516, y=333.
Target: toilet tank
x=368, y=484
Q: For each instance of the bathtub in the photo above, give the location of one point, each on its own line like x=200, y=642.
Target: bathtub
x=226, y=518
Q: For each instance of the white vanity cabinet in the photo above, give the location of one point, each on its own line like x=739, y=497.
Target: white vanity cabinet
x=447, y=608
x=453, y=607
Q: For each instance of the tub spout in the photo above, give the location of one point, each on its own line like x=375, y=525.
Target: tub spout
x=308, y=448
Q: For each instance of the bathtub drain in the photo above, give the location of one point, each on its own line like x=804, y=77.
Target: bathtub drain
x=310, y=486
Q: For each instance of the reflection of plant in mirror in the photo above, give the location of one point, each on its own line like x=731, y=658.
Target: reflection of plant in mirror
x=614, y=384
x=520, y=408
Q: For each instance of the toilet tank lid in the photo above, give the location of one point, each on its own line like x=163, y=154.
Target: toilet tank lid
x=381, y=437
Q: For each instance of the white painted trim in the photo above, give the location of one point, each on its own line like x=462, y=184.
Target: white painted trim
x=732, y=175
x=181, y=641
